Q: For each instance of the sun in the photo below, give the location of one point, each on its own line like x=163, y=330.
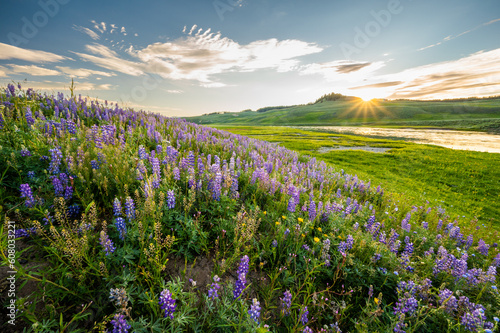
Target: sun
x=367, y=95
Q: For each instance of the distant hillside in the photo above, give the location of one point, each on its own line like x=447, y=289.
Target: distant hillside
x=336, y=110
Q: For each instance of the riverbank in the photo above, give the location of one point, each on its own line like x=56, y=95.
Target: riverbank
x=464, y=182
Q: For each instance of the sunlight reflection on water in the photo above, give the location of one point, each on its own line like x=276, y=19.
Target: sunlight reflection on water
x=462, y=140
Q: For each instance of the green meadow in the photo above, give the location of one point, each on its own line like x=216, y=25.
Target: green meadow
x=463, y=182
x=473, y=114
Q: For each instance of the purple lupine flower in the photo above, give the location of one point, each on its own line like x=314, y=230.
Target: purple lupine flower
x=71, y=127
x=64, y=179
x=170, y=199
x=370, y=222
x=101, y=159
x=382, y=237
x=121, y=227
x=25, y=152
x=242, y=273
x=291, y=205
x=254, y=311
x=120, y=324
x=27, y=195
x=429, y=252
x=24, y=232
x=68, y=192
x=167, y=304
x=58, y=187
x=117, y=207
x=55, y=160
x=425, y=225
x=274, y=243
x=214, y=288
x=446, y=297
x=496, y=260
x=129, y=208
x=234, y=187
x=346, y=246
x=439, y=225
x=286, y=303
x=408, y=247
x=405, y=225
x=106, y=243
x=312, y=210
x=307, y=329
x=473, y=320
x=142, y=153
x=11, y=89
x=376, y=257
x=29, y=116
x=400, y=325
x=469, y=242
x=94, y=164
x=375, y=229
x=303, y=317
x=482, y=247
x=31, y=174
x=74, y=211
x=155, y=164
x=370, y=292
x=216, y=186
x=177, y=173
x=191, y=160
x=406, y=304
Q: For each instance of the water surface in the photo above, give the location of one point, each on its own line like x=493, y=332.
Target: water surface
x=462, y=140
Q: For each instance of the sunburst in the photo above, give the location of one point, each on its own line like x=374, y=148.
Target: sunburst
x=367, y=110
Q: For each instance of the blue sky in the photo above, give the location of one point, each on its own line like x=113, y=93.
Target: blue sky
x=190, y=57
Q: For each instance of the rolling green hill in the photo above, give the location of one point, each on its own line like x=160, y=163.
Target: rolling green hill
x=470, y=114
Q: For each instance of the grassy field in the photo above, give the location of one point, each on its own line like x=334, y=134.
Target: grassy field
x=464, y=182
x=469, y=115
x=124, y=221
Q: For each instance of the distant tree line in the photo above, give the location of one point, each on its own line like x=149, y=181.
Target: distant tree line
x=331, y=97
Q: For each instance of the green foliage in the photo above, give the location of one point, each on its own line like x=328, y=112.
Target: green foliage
x=337, y=110
x=205, y=200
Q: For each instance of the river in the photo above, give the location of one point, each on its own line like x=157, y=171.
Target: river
x=463, y=140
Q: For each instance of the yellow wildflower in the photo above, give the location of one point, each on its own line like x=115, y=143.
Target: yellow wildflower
x=301, y=219
x=316, y=239
x=319, y=229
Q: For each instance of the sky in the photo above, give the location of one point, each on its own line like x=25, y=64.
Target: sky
x=191, y=57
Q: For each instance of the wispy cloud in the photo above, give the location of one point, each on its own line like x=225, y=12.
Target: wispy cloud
x=101, y=27
x=109, y=59
x=82, y=72
x=343, y=70
x=475, y=75
x=92, y=34
x=174, y=91
x=379, y=85
x=32, y=70
x=3, y=71
x=13, y=52
x=199, y=56
x=451, y=37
